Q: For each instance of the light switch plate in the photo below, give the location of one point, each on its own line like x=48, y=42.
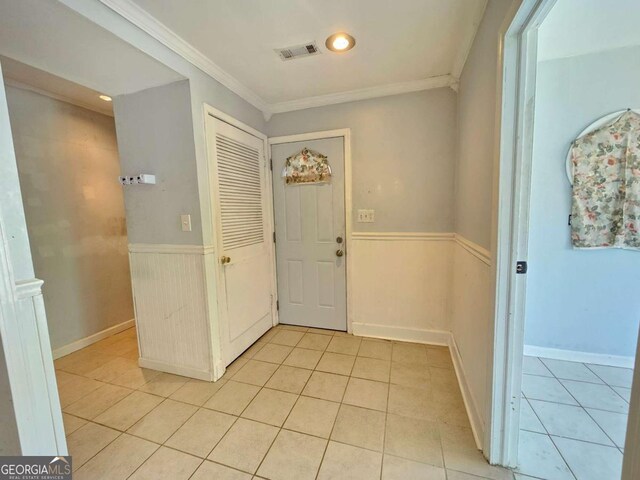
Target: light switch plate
x=185, y=221
x=366, y=216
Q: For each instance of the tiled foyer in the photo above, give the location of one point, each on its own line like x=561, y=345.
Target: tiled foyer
x=299, y=404
x=573, y=420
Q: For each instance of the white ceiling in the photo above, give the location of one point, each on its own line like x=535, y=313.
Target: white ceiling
x=579, y=27
x=23, y=76
x=399, y=42
x=49, y=36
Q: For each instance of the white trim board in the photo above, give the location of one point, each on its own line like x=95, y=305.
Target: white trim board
x=431, y=337
x=393, y=236
x=440, y=81
x=91, y=339
x=474, y=249
x=577, y=356
x=473, y=412
x=165, y=248
x=402, y=334
x=176, y=369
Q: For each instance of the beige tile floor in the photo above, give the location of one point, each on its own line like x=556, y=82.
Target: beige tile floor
x=299, y=404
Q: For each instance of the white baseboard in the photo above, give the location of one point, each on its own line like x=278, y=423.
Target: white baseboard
x=477, y=426
x=176, y=369
x=91, y=339
x=582, y=357
x=431, y=337
x=416, y=335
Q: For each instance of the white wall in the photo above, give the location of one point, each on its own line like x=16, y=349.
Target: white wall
x=578, y=300
x=68, y=164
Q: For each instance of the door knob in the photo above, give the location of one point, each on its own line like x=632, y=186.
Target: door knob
x=339, y=253
x=225, y=260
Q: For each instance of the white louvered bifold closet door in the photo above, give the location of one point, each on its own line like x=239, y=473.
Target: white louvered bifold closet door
x=244, y=250
x=240, y=185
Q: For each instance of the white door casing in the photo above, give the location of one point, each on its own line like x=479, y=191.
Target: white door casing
x=239, y=186
x=310, y=226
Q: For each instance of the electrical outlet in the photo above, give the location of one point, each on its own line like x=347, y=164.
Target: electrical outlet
x=366, y=216
x=185, y=221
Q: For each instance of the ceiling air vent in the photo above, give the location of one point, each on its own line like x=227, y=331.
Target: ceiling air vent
x=299, y=51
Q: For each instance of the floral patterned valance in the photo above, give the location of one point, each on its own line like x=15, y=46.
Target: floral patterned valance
x=307, y=166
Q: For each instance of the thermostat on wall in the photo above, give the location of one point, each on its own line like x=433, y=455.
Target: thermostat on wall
x=141, y=179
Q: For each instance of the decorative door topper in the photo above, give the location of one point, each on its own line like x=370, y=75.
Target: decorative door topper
x=306, y=167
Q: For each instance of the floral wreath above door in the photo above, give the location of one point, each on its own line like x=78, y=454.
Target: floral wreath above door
x=306, y=167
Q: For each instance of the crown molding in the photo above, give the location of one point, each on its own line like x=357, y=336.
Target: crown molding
x=467, y=43
x=157, y=30
x=10, y=82
x=439, y=81
x=149, y=24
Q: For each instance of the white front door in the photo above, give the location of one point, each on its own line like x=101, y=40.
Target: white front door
x=243, y=236
x=310, y=230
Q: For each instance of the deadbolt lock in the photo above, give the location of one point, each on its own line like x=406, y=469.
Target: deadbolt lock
x=225, y=260
x=339, y=239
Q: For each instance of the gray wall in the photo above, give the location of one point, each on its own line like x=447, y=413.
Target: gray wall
x=402, y=156
x=68, y=165
x=477, y=128
x=155, y=135
x=578, y=300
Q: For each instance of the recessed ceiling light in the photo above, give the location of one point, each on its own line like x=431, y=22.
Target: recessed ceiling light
x=106, y=98
x=340, y=42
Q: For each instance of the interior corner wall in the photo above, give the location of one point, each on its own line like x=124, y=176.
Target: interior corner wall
x=577, y=300
x=472, y=285
x=402, y=150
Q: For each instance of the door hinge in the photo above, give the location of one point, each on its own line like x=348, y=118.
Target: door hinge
x=271, y=164
x=278, y=305
x=521, y=267
x=274, y=237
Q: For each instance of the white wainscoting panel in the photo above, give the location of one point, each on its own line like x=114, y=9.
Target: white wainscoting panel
x=400, y=284
x=170, y=301
x=471, y=319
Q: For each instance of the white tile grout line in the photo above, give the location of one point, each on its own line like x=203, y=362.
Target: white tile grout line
x=614, y=445
x=198, y=407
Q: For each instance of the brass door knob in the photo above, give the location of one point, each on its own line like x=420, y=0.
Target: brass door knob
x=339, y=253
x=225, y=260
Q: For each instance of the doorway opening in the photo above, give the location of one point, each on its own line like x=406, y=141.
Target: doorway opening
x=562, y=405
x=312, y=231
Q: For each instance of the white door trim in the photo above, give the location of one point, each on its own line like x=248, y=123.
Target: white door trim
x=512, y=169
x=515, y=91
x=213, y=269
x=345, y=133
